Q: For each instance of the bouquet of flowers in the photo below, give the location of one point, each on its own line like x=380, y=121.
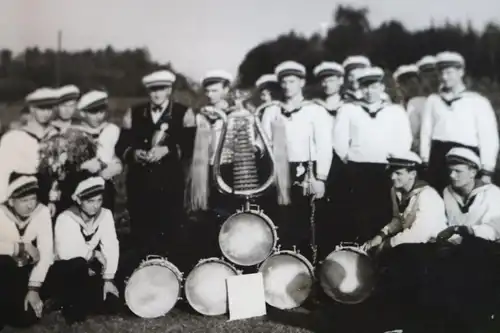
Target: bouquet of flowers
x=65, y=152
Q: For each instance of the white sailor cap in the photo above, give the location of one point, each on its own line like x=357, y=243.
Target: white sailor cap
x=93, y=101
x=21, y=186
x=290, y=68
x=405, y=70
x=265, y=80
x=449, y=59
x=406, y=159
x=328, y=68
x=215, y=76
x=463, y=156
x=43, y=98
x=68, y=93
x=369, y=75
x=161, y=78
x=357, y=61
x=427, y=63
x=89, y=188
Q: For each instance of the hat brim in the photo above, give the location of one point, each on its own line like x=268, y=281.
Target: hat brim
x=47, y=103
x=456, y=160
x=449, y=64
x=368, y=80
x=97, y=106
x=351, y=67
x=328, y=73
x=25, y=190
x=214, y=80
x=91, y=192
x=159, y=85
x=69, y=97
x=291, y=72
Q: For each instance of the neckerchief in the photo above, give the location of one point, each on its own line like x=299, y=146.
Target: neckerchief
x=208, y=111
x=372, y=109
x=20, y=223
x=331, y=110
x=449, y=98
x=287, y=111
x=91, y=131
x=86, y=228
x=48, y=133
x=404, y=201
x=465, y=203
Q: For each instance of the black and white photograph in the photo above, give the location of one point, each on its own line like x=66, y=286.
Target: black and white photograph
x=281, y=166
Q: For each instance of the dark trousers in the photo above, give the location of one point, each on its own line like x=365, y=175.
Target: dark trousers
x=80, y=293
x=437, y=174
x=13, y=290
x=367, y=206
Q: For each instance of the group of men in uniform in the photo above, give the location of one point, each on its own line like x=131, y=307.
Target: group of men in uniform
x=365, y=169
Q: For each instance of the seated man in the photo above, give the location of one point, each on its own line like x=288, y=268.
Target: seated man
x=86, y=245
x=465, y=281
x=26, y=252
x=418, y=210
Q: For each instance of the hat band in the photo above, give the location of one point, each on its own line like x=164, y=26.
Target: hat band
x=213, y=80
x=454, y=159
x=329, y=72
x=288, y=72
x=427, y=67
x=44, y=102
x=69, y=97
x=406, y=75
x=450, y=63
x=96, y=106
x=159, y=83
x=351, y=67
x=369, y=79
x=401, y=162
x=91, y=192
x=25, y=190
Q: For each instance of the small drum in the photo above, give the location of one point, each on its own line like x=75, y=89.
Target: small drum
x=348, y=275
x=248, y=237
x=205, y=286
x=153, y=288
x=288, y=279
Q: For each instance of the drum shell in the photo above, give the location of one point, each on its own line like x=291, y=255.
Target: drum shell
x=251, y=250
x=291, y=291
x=129, y=293
x=216, y=308
x=348, y=276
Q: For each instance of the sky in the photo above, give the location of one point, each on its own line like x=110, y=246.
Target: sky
x=200, y=35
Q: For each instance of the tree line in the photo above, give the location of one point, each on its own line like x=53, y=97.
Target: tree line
x=389, y=45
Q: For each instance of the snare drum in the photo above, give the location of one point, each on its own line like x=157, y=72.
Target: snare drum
x=153, y=288
x=205, y=286
x=348, y=275
x=248, y=237
x=288, y=279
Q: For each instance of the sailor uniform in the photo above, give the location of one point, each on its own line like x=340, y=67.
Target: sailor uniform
x=156, y=190
x=298, y=136
x=79, y=270
x=364, y=136
x=465, y=120
x=415, y=108
x=18, y=272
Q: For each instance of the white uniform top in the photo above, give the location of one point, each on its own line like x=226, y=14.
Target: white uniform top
x=415, y=109
x=361, y=137
x=19, y=152
x=308, y=135
x=70, y=242
x=481, y=211
x=38, y=227
x=423, y=218
x=470, y=120
x=332, y=104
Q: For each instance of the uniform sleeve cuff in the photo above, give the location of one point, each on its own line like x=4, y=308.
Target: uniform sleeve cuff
x=34, y=285
x=108, y=277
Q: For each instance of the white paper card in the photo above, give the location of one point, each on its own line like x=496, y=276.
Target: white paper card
x=246, y=296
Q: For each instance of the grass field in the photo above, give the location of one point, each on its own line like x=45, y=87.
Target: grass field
x=182, y=318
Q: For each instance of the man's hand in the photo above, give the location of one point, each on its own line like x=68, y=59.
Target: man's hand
x=189, y=119
x=446, y=233
x=109, y=288
x=157, y=153
x=140, y=156
x=33, y=300
x=32, y=252
x=92, y=165
x=318, y=188
x=376, y=241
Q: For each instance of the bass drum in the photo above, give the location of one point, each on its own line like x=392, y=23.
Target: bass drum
x=153, y=288
x=247, y=238
x=288, y=279
x=348, y=275
x=205, y=286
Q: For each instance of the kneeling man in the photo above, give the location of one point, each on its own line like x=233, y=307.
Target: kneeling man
x=26, y=252
x=87, y=250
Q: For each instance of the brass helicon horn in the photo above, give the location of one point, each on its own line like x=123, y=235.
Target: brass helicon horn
x=248, y=236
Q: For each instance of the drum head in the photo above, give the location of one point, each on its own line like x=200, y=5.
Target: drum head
x=152, y=291
x=247, y=239
x=348, y=276
x=288, y=280
x=206, y=289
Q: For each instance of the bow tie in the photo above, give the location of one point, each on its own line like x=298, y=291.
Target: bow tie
x=157, y=108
